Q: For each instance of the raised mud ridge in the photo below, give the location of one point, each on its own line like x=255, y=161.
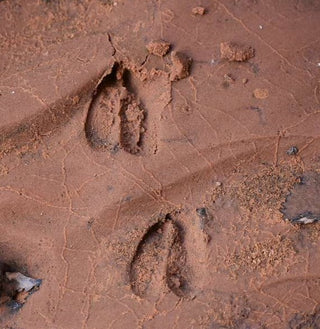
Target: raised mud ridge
x=115, y=117
x=160, y=261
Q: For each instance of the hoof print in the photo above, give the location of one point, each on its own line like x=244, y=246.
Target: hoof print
x=115, y=116
x=159, y=262
x=149, y=262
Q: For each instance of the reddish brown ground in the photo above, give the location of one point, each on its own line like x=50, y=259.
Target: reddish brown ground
x=144, y=202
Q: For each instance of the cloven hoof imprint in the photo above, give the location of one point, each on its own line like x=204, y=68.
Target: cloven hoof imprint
x=160, y=261
x=115, y=117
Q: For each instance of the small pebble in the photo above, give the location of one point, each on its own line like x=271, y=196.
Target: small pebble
x=293, y=150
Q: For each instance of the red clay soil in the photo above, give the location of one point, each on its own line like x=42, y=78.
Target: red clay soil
x=157, y=163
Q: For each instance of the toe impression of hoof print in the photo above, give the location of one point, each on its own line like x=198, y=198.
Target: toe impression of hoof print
x=177, y=270
x=159, y=261
x=115, y=117
x=15, y=288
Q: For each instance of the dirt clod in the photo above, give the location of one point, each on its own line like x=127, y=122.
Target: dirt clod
x=261, y=93
x=181, y=65
x=159, y=48
x=198, y=11
x=234, y=52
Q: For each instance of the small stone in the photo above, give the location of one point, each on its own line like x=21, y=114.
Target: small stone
x=235, y=52
x=15, y=289
x=245, y=81
x=159, y=48
x=305, y=220
x=23, y=282
x=181, y=65
x=260, y=93
x=293, y=150
x=198, y=11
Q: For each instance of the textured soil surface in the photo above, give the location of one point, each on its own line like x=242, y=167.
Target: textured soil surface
x=157, y=162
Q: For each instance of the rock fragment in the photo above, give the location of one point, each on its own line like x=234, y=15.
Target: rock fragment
x=23, y=282
x=181, y=65
x=234, y=52
x=159, y=48
x=293, y=150
x=15, y=288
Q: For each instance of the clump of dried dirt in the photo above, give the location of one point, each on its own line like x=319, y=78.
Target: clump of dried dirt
x=264, y=256
x=267, y=189
x=181, y=65
x=261, y=93
x=198, y=11
x=235, y=52
x=159, y=48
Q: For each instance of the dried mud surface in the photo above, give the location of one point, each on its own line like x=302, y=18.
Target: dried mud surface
x=156, y=158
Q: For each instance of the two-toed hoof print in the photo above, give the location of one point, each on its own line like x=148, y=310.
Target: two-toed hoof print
x=115, y=117
x=160, y=261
